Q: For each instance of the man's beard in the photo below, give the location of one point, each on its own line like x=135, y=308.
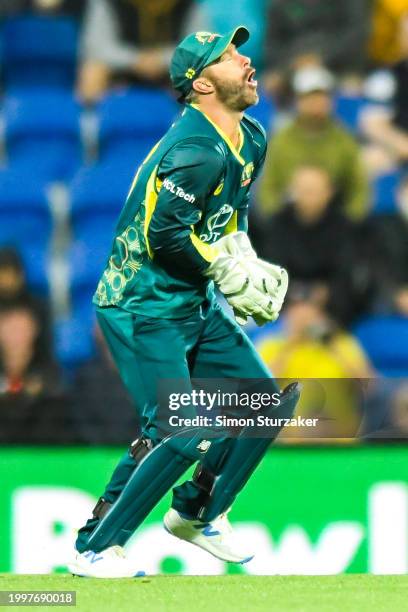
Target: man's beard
x=235, y=96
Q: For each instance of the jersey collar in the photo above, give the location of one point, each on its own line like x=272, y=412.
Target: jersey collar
x=234, y=150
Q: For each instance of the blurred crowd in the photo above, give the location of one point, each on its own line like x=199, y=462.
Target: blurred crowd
x=331, y=206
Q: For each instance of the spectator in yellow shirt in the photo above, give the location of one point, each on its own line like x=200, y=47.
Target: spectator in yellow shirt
x=384, y=45
x=314, y=349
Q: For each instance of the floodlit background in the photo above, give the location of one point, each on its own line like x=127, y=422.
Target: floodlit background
x=84, y=97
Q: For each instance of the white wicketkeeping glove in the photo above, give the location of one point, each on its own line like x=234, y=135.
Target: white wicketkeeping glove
x=268, y=279
x=234, y=281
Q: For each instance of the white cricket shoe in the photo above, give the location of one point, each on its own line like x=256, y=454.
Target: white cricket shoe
x=109, y=563
x=216, y=537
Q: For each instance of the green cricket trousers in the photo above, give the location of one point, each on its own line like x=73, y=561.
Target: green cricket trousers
x=206, y=344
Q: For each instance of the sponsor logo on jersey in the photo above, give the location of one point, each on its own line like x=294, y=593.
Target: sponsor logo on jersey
x=216, y=222
x=178, y=191
x=246, y=177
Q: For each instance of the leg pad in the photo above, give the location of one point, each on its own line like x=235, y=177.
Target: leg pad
x=102, y=507
x=245, y=456
x=203, y=478
x=159, y=470
x=140, y=448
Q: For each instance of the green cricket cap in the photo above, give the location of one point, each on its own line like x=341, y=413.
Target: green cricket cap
x=198, y=50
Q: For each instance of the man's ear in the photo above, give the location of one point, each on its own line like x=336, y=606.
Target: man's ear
x=203, y=86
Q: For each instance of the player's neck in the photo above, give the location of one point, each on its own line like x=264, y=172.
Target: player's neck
x=227, y=120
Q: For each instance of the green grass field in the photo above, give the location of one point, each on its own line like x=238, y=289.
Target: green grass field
x=351, y=593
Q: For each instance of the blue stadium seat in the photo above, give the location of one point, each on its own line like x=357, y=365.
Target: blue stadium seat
x=264, y=111
x=25, y=223
x=42, y=132
x=97, y=196
x=86, y=262
x=348, y=108
x=98, y=193
x=36, y=261
x=25, y=217
x=385, y=338
x=134, y=116
x=128, y=153
x=39, y=51
x=73, y=340
x=384, y=192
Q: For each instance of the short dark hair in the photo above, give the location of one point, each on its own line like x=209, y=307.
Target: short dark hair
x=10, y=258
x=191, y=97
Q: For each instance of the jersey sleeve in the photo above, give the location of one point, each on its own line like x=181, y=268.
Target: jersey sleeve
x=243, y=210
x=185, y=177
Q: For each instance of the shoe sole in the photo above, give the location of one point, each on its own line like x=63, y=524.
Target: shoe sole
x=72, y=570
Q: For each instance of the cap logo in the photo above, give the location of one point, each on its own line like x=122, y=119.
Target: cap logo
x=190, y=73
x=206, y=37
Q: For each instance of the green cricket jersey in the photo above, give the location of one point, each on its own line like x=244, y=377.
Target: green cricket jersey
x=192, y=189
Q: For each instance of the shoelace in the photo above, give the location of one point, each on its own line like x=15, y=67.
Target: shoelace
x=118, y=552
x=223, y=522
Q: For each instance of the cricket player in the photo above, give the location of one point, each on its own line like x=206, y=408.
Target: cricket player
x=182, y=232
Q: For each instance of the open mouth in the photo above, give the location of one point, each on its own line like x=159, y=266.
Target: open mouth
x=250, y=79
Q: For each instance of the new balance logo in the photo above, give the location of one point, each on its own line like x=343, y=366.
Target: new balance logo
x=204, y=446
x=92, y=556
x=209, y=531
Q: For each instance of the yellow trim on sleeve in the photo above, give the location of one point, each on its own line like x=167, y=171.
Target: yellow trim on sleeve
x=206, y=251
x=224, y=136
x=152, y=150
x=151, y=196
x=232, y=225
x=134, y=182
